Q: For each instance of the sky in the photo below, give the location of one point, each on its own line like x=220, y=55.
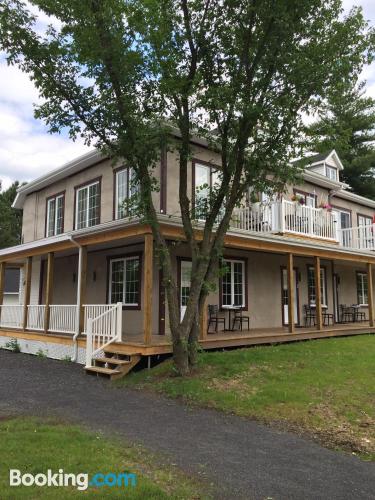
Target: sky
x=28, y=151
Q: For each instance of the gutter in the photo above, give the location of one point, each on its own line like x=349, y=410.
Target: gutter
x=75, y=336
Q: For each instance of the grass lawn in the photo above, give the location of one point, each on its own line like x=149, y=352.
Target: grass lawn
x=34, y=446
x=324, y=388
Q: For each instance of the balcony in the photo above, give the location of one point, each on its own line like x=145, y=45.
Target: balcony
x=292, y=218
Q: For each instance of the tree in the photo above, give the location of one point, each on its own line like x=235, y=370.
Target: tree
x=10, y=218
x=347, y=124
x=116, y=70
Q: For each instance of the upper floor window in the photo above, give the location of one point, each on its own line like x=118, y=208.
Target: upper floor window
x=331, y=173
x=124, y=280
x=233, y=284
x=364, y=220
x=362, y=288
x=87, y=205
x=311, y=285
x=309, y=198
x=205, y=179
x=126, y=189
x=55, y=215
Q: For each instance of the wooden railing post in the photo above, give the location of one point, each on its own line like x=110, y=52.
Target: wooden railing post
x=49, y=290
x=2, y=281
x=318, y=295
x=27, y=289
x=147, y=290
x=370, y=295
x=291, y=293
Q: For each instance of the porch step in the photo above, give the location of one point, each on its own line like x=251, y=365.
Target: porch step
x=113, y=365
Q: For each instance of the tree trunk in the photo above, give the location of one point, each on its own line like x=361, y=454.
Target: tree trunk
x=193, y=341
x=181, y=356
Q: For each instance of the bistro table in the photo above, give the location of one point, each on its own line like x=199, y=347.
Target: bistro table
x=230, y=309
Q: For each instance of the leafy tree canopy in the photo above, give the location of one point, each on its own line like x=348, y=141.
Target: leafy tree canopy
x=10, y=218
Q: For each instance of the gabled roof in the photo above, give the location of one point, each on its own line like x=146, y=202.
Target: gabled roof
x=319, y=158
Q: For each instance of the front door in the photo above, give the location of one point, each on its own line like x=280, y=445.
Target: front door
x=285, y=298
x=342, y=221
x=185, y=280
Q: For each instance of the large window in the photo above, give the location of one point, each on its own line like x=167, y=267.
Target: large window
x=364, y=220
x=309, y=198
x=331, y=173
x=87, y=205
x=311, y=285
x=206, y=179
x=55, y=215
x=12, y=281
x=125, y=191
x=124, y=281
x=362, y=288
x=233, y=284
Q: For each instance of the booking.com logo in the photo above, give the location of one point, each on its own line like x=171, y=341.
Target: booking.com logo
x=81, y=481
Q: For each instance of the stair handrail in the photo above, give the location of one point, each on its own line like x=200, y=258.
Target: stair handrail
x=103, y=330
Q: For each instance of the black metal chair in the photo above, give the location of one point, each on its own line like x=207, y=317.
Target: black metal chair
x=240, y=318
x=327, y=318
x=310, y=315
x=359, y=316
x=214, y=317
x=346, y=314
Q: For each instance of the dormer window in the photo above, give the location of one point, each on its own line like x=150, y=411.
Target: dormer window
x=331, y=173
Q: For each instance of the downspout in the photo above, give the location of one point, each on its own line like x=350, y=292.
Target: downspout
x=75, y=336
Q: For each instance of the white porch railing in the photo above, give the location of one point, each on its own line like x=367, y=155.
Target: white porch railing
x=11, y=316
x=261, y=218
x=35, y=317
x=359, y=238
x=63, y=318
x=103, y=325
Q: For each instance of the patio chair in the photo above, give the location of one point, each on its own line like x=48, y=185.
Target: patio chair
x=346, y=314
x=310, y=316
x=359, y=316
x=327, y=318
x=214, y=317
x=240, y=318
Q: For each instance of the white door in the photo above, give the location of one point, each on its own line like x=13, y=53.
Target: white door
x=185, y=280
x=285, y=298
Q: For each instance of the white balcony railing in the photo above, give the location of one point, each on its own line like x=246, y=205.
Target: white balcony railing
x=63, y=318
x=11, y=316
x=358, y=238
x=286, y=217
x=35, y=317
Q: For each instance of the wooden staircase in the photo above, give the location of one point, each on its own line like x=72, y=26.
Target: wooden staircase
x=112, y=364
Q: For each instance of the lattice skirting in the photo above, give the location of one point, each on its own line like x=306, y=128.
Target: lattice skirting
x=50, y=350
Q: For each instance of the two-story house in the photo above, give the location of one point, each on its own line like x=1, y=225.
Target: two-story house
x=298, y=266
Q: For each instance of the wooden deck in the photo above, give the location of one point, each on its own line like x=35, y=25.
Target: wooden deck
x=161, y=344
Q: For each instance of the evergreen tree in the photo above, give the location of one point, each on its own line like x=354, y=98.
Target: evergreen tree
x=347, y=124
x=10, y=218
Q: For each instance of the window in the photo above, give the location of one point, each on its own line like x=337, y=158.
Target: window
x=311, y=285
x=362, y=289
x=55, y=215
x=87, y=205
x=206, y=178
x=124, y=281
x=309, y=198
x=364, y=220
x=331, y=173
x=233, y=284
x=12, y=281
x=125, y=191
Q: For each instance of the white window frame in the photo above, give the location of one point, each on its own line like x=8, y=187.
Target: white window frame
x=78, y=190
x=323, y=280
x=130, y=190
x=124, y=260
x=361, y=292
x=331, y=170
x=230, y=263
x=366, y=220
x=49, y=201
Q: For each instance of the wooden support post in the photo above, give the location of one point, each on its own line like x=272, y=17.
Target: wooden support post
x=318, y=295
x=27, y=289
x=291, y=293
x=81, y=287
x=147, y=288
x=49, y=290
x=370, y=295
x=2, y=281
x=203, y=321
